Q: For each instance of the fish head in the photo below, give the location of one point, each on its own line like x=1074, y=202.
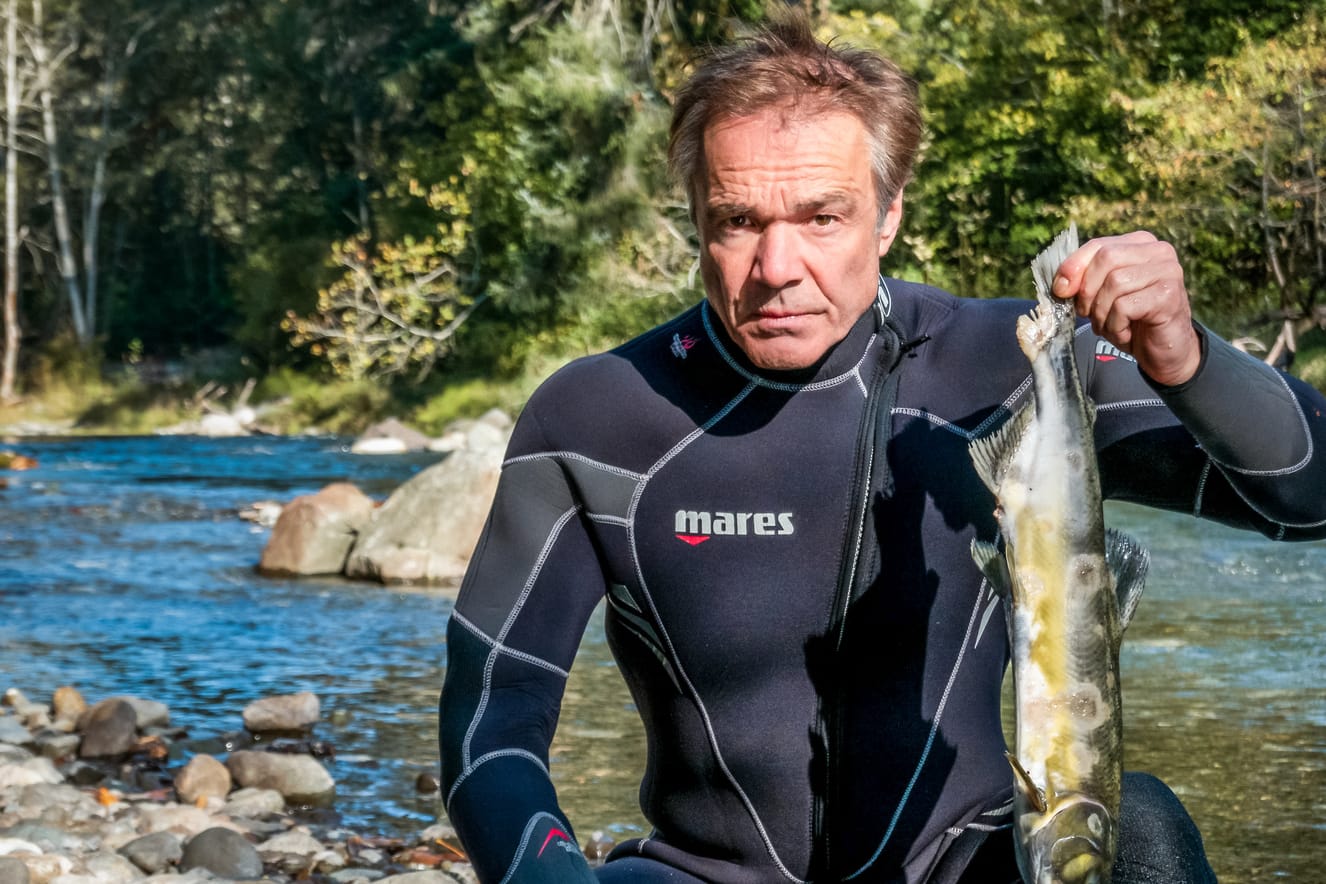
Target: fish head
x=1075, y=844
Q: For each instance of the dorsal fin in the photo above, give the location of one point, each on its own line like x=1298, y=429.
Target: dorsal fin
x=1129, y=561
x=1045, y=265
x=992, y=452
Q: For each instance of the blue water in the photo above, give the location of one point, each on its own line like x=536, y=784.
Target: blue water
x=125, y=569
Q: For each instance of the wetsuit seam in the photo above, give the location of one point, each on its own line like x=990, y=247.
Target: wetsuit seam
x=664, y=636
x=507, y=650
x=929, y=744
x=572, y=455
x=479, y=762
x=1283, y=471
x=1255, y=508
x=482, y=706
x=1201, y=487
x=524, y=843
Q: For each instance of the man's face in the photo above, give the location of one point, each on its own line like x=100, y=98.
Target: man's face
x=789, y=242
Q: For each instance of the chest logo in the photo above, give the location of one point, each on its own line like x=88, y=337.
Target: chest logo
x=680, y=344
x=694, y=527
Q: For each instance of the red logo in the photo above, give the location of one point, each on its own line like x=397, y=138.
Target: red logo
x=693, y=539
x=555, y=833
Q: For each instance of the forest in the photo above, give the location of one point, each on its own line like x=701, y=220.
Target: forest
x=421, y=207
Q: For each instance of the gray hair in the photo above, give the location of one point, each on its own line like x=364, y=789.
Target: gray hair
x=785, y=65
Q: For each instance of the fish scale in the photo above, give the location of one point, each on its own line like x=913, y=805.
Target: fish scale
x=1069, y=586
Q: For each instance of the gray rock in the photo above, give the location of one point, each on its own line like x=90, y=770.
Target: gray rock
x=110, y=729
x=315, y=533
x=295, y=841
x=299, y=778
x=47, y=867
x=13, y=732
x=495, y=417
x=223, y=852
x=13, y=871
x=178, y=818
x=353, y=874
x=31, y=771
x=398, y=435
x=287, y=712
x=108, y=867
x=55, y=745
x=150, y=713
x=254, y=803
x=482, y=437
x=429, y=877
x=49, y=839
x=10, y=753
x=203, y=777
x=154, y=853
x=427, y=529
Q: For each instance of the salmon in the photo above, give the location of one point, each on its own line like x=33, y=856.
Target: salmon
x=1069, y=587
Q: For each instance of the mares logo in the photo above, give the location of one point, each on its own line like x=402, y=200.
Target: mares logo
x=695, y=526
x=562, y=840
x=1107, y=352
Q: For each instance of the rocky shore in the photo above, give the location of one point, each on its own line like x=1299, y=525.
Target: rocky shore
x=101, y=794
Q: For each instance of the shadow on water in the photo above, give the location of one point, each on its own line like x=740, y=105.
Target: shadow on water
x=124, y=572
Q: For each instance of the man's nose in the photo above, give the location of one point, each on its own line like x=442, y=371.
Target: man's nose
x=778, y=259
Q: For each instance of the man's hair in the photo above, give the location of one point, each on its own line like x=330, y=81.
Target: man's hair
x=783, y=65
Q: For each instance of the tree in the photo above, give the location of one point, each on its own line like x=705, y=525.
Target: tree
x=1233, y=173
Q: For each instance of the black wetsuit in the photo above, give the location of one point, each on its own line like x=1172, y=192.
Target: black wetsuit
x=791, y=596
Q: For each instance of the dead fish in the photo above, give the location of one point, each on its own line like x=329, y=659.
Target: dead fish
x=1069, y=588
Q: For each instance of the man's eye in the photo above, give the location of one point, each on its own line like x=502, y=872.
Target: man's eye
x=738, y=221
x=823, y=220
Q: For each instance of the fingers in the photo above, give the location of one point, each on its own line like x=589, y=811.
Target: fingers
x=1119, y=280
x=1131, y=288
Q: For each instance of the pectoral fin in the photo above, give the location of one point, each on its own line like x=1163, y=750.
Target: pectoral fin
x=993, y=565
x=1024, y=786
x=992, y=453
x=1128, y=560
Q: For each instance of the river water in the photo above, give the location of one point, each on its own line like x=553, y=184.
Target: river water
x=124, y=569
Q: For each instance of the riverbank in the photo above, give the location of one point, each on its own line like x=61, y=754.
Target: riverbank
x=112, y=793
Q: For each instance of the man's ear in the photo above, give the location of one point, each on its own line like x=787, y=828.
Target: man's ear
x=892, y=223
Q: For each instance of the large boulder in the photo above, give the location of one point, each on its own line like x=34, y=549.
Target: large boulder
x=224, y=853
x=316, y=532
x=427, y=529
x=202, y=778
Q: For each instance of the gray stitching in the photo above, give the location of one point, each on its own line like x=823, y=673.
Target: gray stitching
x=930, y=741
x=524, y=842
x=774, y=385
x=484, y=759
x=571, y=455
x=509, y=651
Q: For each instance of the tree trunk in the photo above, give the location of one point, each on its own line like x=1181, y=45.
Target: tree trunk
x=59, y=204
x=9, y=370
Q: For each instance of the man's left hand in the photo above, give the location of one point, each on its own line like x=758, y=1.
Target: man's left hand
x=1131, y=287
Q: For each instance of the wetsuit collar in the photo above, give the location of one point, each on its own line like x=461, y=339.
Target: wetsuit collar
x=842, y=358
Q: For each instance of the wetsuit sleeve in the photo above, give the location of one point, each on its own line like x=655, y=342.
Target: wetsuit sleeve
x=527, y=595
x=1240, y=443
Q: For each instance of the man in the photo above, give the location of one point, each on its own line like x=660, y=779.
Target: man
x=774, y=493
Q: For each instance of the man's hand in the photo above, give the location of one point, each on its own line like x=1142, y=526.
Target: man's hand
x=1131, y=287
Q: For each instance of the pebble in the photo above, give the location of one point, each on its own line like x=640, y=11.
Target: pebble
x=110, y=729
x=223, y=852
x=154, y=853
x=203, y=777
x=67, y=817
x=291, y=712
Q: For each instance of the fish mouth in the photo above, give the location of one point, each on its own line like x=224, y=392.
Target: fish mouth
x=1076, y=859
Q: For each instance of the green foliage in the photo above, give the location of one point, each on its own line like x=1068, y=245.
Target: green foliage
x=306, y=402
x=467, y=398
x=1310, y=362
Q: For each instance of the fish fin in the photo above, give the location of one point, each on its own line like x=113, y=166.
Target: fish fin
x=993, y=565
x=1045, y=265
x=1022, y=783
x=1129, y=561
x=991, y=452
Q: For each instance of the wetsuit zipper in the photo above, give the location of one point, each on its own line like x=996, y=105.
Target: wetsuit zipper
x=872, y=441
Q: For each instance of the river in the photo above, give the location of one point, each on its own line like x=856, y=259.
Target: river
x=124, y=569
